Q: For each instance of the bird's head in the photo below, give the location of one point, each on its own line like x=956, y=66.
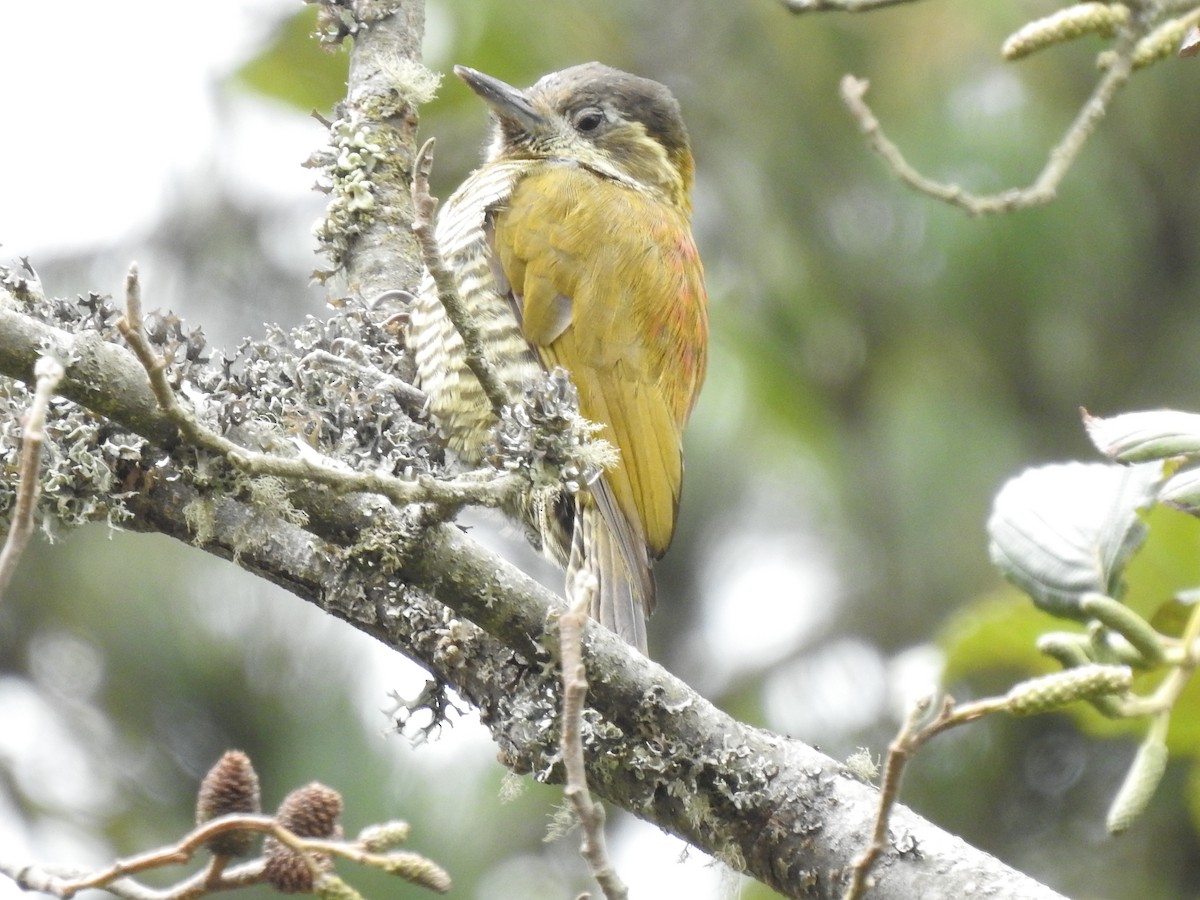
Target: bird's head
x=597, y=116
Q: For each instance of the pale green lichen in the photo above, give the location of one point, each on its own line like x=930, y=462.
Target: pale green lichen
x=273, y=496
x=562, y=822
x=543, y=436
x=81, y=462
x=862, y=765
x=270, y=393
x=413, y=83
x=512, y=787
x=200, y=516
x=347, y=164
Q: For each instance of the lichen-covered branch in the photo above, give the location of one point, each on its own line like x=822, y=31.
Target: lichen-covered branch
x=366, y=234
x=767, y=805
x=306, y=465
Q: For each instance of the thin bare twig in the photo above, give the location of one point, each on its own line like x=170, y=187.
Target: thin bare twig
x=48, y=371
x=911, y=737
x=47, y=881
x=592, y=846
x=117, y=878
x=483, y=488
x=424, y=209
x=899, y=751
x=1058, y=162
x=173, y=855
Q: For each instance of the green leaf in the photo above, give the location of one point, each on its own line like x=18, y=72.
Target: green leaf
x=1182, y=489
x=1061, y=531
x=996, y=631
x=1168, y=565
x=1171, y=617
x=295, y=69
x=1145, y=436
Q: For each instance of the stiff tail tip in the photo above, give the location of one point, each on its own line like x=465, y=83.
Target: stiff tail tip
x=597, y=574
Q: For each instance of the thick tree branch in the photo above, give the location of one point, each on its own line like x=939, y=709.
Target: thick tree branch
x=767, y=805
x=99, y=375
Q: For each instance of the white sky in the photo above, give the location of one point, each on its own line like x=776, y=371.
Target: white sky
x=105, y=106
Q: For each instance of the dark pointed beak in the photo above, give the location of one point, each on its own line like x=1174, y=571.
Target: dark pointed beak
x=503, y=99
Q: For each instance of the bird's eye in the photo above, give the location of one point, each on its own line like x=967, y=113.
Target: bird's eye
x=587, y=120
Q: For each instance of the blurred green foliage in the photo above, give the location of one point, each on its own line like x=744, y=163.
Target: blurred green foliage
x=297, y=69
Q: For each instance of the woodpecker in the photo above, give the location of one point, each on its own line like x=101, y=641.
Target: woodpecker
x=572, y=247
